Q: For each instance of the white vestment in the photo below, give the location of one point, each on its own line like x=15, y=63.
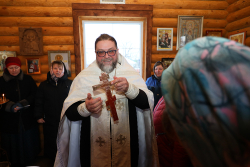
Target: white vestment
x=68, y=140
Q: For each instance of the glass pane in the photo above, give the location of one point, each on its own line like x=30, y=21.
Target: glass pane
x=127, y=34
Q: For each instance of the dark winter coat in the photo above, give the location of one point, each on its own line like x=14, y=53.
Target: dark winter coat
x=22, y=89
x=154, y=85
x=49, y=103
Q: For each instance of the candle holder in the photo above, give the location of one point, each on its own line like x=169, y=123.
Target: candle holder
x=4, y=99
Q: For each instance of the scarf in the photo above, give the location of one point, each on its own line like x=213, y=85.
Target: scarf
x=207, y=95
x=159, y=78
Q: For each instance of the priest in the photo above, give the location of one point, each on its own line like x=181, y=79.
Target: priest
x=88, y=135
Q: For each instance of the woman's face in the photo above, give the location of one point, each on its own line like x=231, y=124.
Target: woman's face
x=57, y=70
x=14, y=70
x=158, y=70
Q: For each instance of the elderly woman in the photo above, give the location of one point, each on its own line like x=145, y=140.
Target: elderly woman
x=19, y=130
x=154, y=82
x=49, y=102
x=207, y=95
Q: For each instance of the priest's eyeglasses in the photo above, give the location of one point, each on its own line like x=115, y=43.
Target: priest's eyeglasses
x=103, y=53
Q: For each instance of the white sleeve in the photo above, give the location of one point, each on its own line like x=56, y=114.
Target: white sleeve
x=132, y=92
x=82, y=110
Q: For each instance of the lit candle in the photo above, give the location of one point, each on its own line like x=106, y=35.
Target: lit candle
x=4, y=98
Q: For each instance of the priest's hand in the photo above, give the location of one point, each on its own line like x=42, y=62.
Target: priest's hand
x=41, y=121
x=121, y=84
x=93, y=105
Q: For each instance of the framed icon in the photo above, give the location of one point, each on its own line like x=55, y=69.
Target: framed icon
x=189, y=28
x=215, y=33
x=31, y=41
x=238, y=37
x=33, y=66
x=166, y=62
x=164, y=39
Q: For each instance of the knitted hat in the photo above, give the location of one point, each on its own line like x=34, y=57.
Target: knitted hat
x=12, y=61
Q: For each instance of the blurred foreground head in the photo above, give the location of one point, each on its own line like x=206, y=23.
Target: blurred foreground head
x=207, y=95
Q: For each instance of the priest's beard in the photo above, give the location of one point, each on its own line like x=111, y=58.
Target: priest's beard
x=107, y=68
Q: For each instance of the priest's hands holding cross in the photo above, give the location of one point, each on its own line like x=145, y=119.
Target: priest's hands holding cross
x=121, y=84
x=93, y=105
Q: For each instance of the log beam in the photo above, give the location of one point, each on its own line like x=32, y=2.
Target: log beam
x=25, y=11
x=36, y=21
x=172, y=23
x=208, y=5
x=155, y=51
x=47, y=31
x=240, y=14
x=247, y=42
x=240, y=30
x=240, y=4
x=45, y=48
x=47, y=40
x=158, y=57
x=173, y=13
x=239, y=24
x=184, y=4
x=231, y=1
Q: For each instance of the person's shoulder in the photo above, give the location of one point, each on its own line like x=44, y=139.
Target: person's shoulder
x=160, y=107
x=149, y=78
x=27, y=77
x=69, y=81
x=44, y=82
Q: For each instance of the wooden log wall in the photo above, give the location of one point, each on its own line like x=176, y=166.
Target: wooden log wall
x=238, y=18
x=56, y=24
x=166, y=16
x=55, y=18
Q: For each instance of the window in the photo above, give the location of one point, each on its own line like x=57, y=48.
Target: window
x=117, y=13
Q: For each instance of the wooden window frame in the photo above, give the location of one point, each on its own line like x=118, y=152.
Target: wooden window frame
x=113, y=12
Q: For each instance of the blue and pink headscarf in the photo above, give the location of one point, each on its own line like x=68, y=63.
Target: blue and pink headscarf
x=207, y=95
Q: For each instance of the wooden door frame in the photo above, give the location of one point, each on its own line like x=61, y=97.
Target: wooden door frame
x=120, y=11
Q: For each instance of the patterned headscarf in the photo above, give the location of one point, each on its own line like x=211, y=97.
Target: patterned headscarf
x=53, y=76
x=207, y=95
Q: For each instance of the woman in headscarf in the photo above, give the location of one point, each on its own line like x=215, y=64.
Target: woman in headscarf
x=154, y=82
x=49, y=102
x=207, y=95
x=19, y=130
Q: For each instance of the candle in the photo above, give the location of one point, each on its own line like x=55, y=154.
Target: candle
x=4, y=98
